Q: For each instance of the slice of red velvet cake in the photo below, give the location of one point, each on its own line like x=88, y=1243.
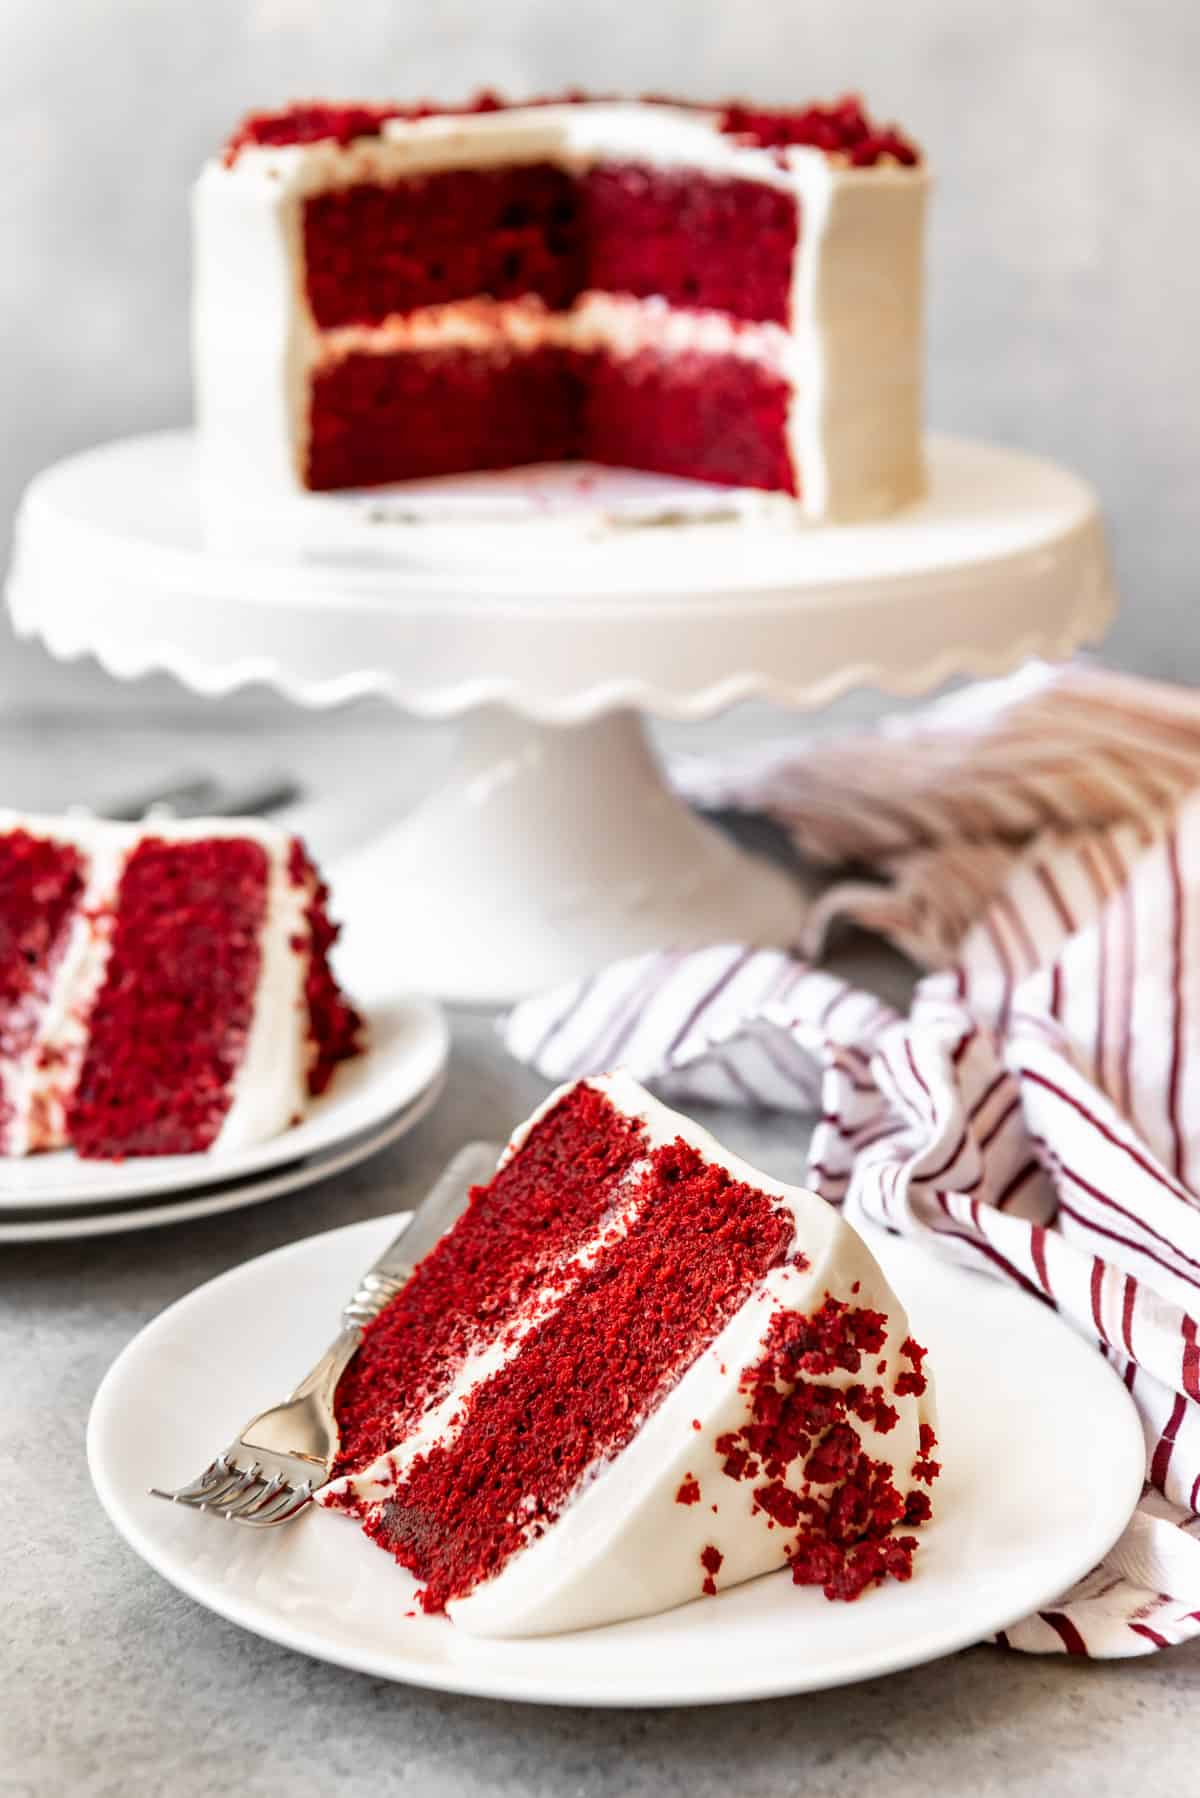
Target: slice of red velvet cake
x=385, y=293
x=163, y=989
x=635, y=1372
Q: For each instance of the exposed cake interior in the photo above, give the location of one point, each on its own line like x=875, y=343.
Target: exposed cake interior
x=394, y=275
x=41, y=883
x=543, y=1206
x=161, y=990
x=449, y=312
x=579, y=1293
x=170, y=1023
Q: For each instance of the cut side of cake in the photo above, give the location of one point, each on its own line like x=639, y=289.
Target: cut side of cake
x=164, y=989
x=635, y=1372
x=383, y=294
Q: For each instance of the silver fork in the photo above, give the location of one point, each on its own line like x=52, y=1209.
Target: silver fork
x=271, y=1470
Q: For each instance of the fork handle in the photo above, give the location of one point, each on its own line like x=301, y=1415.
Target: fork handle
x=380, y=1284
x=375, y=1290
x=321, y=1381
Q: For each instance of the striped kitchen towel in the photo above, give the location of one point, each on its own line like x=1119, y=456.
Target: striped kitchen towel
x=1035, y=843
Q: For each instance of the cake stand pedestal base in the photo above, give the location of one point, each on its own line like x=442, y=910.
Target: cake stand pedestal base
x=547, y=852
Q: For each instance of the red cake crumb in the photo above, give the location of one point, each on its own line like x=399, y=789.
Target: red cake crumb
x=846, y=1573
x=334, y=1027
x=689, y=1492
x=580, y=1389
x=925, y=1468
x=911, y=1384
x=870, y=1406
x=315, y=121
x=780, y=1503
x=711, y=1559
x=307, y=123
x=41, y=884
x=169, y=1025
x=918, y=1508
x=841, y=129
x=844, y=1542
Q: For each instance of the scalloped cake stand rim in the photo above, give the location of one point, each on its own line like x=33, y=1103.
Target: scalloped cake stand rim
x=114, y=558
x=547, y=851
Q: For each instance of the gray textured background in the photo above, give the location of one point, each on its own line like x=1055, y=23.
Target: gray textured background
x=1064, y=262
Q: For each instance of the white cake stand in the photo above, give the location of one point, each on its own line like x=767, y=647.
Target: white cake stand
x=550, y=608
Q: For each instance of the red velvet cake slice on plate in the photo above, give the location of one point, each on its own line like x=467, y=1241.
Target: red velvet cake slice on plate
x=635, y=1372
x=386, y=293
x=164, y=989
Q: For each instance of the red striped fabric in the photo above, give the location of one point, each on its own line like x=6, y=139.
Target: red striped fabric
x=1036, y=844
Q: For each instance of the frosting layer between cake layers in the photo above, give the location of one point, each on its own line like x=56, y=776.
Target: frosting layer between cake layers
x=168, y=987
x=652, y=292
x=636, y=1372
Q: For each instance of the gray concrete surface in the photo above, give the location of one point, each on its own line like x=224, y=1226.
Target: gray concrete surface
x=1064, y=262
x=112, y=1683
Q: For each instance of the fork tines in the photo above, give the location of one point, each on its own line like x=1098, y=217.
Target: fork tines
x=244, y=1495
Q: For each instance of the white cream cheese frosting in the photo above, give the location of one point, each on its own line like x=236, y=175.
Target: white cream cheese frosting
x=619, y=323
x=853, y=345
x=269, y=1087
x=624, y=1544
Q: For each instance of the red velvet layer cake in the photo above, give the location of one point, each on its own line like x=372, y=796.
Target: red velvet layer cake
x=635, y=1372
x=164, y=990
x=726, y=294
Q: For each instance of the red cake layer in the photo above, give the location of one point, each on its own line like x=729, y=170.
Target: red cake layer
x=169, y=1025
x=698, y=241
x=711, y=418
x=377, y=418
x=841, y=128
x=582, y=1383
x=41, y=884
x=370, y=251
x=537, y=1211
x=334, y=1027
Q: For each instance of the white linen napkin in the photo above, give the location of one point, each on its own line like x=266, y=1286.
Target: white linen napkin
x=1034, y=842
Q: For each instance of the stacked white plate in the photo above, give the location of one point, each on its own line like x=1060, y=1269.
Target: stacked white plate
x=370, y=1102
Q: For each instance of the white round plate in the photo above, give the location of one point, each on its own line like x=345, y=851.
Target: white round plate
x=559, y=593
x=407, y=1047
x=209, y=1201
x=1040, y=1478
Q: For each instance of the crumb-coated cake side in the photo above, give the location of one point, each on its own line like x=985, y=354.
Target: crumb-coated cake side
x=728, y=293
x=635, y=1372
x=164, y=989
